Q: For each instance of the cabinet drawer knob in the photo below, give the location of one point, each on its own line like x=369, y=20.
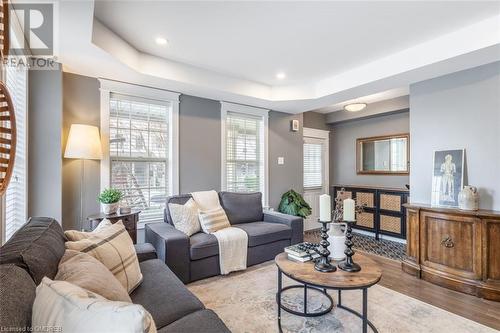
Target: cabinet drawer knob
x=447, y=242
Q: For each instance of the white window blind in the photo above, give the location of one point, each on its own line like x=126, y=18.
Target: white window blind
x=139, y=150
x=313, y=165
x=244, y=153
x=16, y=197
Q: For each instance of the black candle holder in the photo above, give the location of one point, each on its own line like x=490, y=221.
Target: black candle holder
x=323, y=262
x=348, y=264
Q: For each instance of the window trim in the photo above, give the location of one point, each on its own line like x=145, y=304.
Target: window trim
x=107, y=87
x=325, y=137
x=3, y=199
x=252, y=111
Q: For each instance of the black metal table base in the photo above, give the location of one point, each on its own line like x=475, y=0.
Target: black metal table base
x=322, y=290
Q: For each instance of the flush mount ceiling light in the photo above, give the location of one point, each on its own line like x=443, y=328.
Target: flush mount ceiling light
x=161, y=41
x=355, y=107
x=280, y=76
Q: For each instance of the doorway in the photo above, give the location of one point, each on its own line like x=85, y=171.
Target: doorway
x=316, y=171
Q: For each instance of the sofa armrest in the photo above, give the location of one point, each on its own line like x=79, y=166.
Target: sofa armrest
x=172, y=246
x=145, y=251
x=294, y=222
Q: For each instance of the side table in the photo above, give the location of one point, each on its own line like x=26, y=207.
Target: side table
x=129, y=221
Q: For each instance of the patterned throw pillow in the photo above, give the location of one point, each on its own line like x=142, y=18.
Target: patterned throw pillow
x=213, y=220
x=113, y=247
x=185, y=217
x=68, y=308
x=87, y=272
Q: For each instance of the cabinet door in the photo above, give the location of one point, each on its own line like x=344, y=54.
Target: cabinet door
x=451, y=244
x=491, y=248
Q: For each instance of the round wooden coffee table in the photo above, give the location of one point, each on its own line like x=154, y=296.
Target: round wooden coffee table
x=309, y=278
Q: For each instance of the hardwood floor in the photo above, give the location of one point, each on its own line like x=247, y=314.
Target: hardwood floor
x=471, y=307
x=480, y=310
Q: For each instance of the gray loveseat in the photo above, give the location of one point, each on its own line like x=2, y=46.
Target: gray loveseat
x=197, y=257
x=34, y=252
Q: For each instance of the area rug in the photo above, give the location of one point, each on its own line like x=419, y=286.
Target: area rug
x=246, y=302
x=382, y=247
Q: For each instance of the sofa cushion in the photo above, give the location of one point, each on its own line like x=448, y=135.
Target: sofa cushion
x=70, y=308
x=17, y=293
x=202, y=245
x=265, y=232
x=163, y=295
x=37, y=247
x=205, y=321
x=175, y=199
x=85, y=271
x=242, y=207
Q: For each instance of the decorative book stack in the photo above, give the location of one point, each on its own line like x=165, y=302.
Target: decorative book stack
x=302, y=252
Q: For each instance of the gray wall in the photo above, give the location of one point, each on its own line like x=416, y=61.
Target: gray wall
x=343, y=149
x=81, y=104
x=460, y=110
x=199, y=144
x=287, y=144
x=44, y=142
x=316, y=120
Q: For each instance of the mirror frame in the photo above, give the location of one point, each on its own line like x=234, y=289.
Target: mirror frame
x=359, y=141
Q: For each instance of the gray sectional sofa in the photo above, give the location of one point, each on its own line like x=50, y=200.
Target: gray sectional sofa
x=34, y=252
x=197, y=257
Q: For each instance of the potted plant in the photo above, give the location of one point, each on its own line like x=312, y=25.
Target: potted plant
x=109, y=199
x=292, y=203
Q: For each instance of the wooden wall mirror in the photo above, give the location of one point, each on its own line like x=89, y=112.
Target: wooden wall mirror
x=383, y=155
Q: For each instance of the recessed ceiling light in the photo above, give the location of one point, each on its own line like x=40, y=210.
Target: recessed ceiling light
x=355, y=107
x=280, y=76
x=161, y=41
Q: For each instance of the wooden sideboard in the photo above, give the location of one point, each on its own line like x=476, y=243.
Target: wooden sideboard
x=456, y=249
x=384, y=212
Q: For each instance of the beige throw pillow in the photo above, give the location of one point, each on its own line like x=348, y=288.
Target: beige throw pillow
x=185, y=217
x=65, y=307
x=213, y=220
x=85, y=271
x=113, y=247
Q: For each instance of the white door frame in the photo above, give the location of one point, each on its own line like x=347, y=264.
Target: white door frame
x=320, y=136
x=325, y=137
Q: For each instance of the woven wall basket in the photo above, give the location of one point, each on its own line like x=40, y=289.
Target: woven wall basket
x=7, y=138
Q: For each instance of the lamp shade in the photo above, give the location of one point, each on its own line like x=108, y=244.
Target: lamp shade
x=83, y=143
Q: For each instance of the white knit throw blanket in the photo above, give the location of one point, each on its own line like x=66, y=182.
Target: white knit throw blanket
x=233, y=242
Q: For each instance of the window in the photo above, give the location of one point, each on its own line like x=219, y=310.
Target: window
x=313, y=165
x=141, y=157
x=16, y=198
x=244, y=149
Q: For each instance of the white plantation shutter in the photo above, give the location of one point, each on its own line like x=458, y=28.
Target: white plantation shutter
x=244, y=153
x=313, y=165
x=16, y=195
x=139, y=150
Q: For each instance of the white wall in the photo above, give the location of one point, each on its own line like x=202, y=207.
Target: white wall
x=459, y=110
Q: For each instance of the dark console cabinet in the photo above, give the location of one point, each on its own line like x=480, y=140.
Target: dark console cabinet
x=384, y=211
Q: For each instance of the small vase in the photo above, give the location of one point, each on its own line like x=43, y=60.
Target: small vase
x=336, y=238
x=468, y=198
x=109, y=209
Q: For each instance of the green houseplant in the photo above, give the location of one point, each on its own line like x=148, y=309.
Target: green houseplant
x=292, y=203
x=110, y=199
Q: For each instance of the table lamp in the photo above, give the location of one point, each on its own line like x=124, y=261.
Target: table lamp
x=84, y=144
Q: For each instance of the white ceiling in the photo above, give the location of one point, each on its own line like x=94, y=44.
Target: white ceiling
x=306, y=40
x=332, y=52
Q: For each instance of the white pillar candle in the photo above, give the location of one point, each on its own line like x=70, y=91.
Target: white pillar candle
x=349, y=214
x=325, y=208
